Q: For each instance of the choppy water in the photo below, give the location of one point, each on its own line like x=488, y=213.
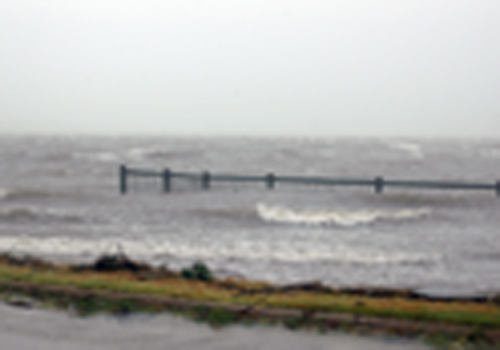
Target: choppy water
x=59, y=198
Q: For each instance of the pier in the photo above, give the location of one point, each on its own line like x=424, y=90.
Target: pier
x=378, y=183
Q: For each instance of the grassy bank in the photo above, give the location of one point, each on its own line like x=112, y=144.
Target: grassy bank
x=121, y=285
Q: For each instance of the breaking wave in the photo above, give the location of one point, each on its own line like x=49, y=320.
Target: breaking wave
x=147, y=153
x=160, y=153
x=345, y=218
x=4, y=193
x=29, y=215
x=103, y=157
x=157, y=250
x=412, y=149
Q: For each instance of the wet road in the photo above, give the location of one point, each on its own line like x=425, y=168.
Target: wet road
x=40, y=329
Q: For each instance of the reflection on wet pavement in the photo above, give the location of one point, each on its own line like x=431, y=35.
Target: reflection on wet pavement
x=23, y=329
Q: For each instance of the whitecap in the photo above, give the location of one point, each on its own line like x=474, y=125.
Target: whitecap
x=254, y=251
x=152, y=152
x=104, y=157
x=30, y=214
x=413, y=149
x=5, y=193
x=345, y=218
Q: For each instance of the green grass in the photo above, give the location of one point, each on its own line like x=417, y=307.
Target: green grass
x=481, y=315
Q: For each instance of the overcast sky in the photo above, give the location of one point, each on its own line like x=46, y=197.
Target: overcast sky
x=258, y=67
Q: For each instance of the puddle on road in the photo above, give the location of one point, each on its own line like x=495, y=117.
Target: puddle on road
x=42, y=329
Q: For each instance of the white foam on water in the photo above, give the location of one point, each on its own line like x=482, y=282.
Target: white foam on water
x=32, y=214
x=151, y=152
x=151, y=249
x=67, y=246
x=413, y=149
x=5, y=193
x=160, y=152
x=104, y=157
x=345, y=218
x=285, y=253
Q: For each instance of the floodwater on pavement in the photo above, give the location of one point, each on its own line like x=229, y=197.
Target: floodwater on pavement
x=41, y=329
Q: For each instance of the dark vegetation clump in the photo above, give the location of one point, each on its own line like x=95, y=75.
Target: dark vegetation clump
x=198, y=271
x=27, y=261
x=113, y=263
x=118, y=262
x=122, y=263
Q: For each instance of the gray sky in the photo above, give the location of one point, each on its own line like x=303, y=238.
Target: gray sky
x=257, y=67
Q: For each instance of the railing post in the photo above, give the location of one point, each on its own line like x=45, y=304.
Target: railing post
x=166, y=180
x=205, y=180
x=270, y=180
x=497, y=187
x=123, y=179
x=379, y=184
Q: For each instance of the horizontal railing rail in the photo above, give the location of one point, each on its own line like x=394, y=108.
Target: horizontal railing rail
x=378, y=183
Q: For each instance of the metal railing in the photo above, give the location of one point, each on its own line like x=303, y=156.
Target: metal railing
x=270, y=180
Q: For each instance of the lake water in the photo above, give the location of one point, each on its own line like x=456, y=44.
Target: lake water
x=59, y=199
